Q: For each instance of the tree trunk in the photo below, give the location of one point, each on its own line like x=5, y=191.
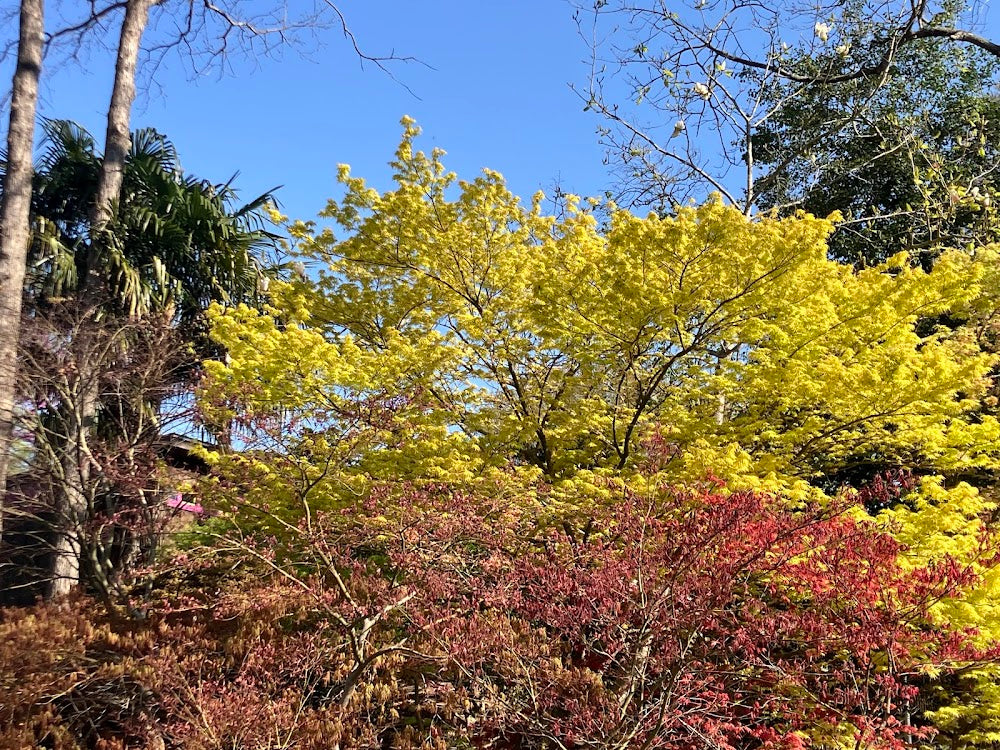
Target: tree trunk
x=65, y=574
x=76, y=491
x=75, y=501
x=15, y=229
x=118, y=139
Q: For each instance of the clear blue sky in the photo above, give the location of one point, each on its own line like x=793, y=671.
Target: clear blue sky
x=496, y=95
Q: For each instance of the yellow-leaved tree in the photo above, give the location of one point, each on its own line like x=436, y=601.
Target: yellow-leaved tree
x=501, y=334
x=444, y=330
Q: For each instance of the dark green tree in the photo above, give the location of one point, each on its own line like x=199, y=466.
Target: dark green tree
x=882, y=109
x=916, y=169
x=174, y=241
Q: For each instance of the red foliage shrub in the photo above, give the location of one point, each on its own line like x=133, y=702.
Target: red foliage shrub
x=437, y=618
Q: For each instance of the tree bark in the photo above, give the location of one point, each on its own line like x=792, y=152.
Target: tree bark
x=118, y=139
x=76, y=491
x=15, y=228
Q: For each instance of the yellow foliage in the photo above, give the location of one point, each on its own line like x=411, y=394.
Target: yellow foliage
x=511, y=333
x=448, y=331
x=938, y=522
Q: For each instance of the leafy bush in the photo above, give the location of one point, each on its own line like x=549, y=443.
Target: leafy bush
x=435, y=617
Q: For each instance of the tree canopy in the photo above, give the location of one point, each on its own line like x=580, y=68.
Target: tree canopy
x=914, y=172
x=500, y=331
x=175, y=240
x=877, y=109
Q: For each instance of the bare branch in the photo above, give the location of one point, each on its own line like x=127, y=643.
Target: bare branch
x=211, y=35
x=687, y=89
x=958, y=35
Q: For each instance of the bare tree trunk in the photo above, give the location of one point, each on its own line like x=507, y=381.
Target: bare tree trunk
x=65, y=574
x=14, y=216
x=75, y=499
x=118, y=140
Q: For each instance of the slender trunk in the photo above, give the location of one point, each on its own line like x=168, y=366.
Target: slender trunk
x=75, y=499
x=14, y=216
x=720, y=407
x=76, y=465
x=65, y=574
x=118, y=139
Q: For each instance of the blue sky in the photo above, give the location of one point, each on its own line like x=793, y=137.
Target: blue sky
x=496, y=94
x=493, y=91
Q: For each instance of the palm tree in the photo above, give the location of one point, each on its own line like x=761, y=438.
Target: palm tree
x=173, y=240
x=173, y=245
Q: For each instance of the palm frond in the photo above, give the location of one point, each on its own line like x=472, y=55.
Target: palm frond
x=175, y=241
